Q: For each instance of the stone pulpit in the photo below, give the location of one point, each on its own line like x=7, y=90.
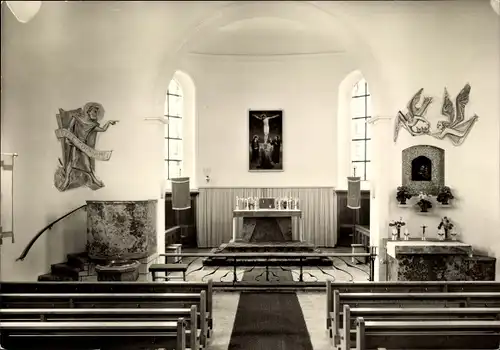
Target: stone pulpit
x=119, y=233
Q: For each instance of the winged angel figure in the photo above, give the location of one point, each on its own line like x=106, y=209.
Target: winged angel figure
x=414, y=120
x=456, y=128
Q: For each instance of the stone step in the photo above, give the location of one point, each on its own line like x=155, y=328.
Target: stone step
x=64, y=269
x=50, y=277
x=78, y=260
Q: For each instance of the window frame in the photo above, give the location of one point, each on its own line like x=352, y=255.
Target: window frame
x=365, y=139
x=170, y=116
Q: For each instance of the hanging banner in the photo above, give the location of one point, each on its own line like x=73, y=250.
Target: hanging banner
x=353, y=192
x=181, y=196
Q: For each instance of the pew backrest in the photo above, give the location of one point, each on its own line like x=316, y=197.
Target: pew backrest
x=193, y=318
x=451, y=334
x=111, y=287
x=59, y=335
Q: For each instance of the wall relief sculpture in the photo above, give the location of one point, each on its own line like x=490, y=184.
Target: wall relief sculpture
x=456, y=128
x=78, y=130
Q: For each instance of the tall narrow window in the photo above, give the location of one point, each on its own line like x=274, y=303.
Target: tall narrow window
x=361, y=130
x=173, y=131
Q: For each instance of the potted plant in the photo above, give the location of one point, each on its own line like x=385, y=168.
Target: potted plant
x=403, y=194
x=397, y=226
x=445, y=225
x=444, y=195
x=424, y=202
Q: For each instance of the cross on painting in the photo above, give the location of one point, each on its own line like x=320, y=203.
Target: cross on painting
x=265, y=140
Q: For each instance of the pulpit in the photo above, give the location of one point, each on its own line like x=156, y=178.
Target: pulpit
x=435, y=260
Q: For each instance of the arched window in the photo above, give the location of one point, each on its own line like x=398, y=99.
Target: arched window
x=174, y=130
x=361, y=130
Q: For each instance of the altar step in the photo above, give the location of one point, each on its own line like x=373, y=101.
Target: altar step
x=295, y=247
x=75, y=265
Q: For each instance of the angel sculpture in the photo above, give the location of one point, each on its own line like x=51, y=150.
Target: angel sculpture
x=414, y=121
x=456, y=128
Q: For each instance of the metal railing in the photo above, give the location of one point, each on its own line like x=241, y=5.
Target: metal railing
x=40, y=233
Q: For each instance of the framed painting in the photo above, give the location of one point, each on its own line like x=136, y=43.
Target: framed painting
x=265, y=140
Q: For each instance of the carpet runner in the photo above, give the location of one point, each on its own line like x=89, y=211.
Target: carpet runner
x=268, y=320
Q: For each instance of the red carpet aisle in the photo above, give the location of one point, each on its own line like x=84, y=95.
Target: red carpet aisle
x=266, y=321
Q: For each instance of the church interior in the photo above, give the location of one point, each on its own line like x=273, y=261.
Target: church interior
x=248, y=175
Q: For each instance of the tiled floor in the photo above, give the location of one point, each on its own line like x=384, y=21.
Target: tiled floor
x=313, y=304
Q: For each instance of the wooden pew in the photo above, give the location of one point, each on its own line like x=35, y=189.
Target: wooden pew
x=454, y=334
x=87, y=335
x=350, y=315
x=388, y=300
x=110, y=301
x=404, y=287
x=116, y=288
x=193, y=319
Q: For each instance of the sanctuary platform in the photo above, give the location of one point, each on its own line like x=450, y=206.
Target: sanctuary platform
x=435, y=260
x=267, y=230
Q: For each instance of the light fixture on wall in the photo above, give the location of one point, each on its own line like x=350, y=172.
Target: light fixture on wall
x=206, y=173
x=24, y=11
x=496, y=6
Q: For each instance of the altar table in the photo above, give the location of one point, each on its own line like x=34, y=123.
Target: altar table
x=267, y=225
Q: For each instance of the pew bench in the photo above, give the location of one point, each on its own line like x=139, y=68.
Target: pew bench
x=168, y=268
x=350, y=315
x=195, y=321
x=405, y=300
x=86, y=335
x=110, y=301
x=453, y=334
x=404, y=287
x=114, y=287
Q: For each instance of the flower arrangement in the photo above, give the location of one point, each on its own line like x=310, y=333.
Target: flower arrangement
x=398, y=224
x=445, y=225
x=424, y=202
x=403, y=193
x=444, y=195
x=397, y=227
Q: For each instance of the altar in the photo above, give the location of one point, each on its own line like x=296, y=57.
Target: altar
x=267, y=225
x=436, y=260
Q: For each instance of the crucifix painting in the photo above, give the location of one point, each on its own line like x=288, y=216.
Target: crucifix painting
x=265, y=140
x=77, y=132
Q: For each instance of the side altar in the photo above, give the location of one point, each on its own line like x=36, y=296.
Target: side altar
x=436, y=260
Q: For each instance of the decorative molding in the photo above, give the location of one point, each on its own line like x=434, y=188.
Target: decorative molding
x=264, y=57
x=456, y=128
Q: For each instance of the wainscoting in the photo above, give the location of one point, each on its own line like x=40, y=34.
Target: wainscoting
x=215, y=206
x=327, y=222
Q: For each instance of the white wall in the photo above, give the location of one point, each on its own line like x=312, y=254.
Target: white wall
x=123, y=55
x=304, y=87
